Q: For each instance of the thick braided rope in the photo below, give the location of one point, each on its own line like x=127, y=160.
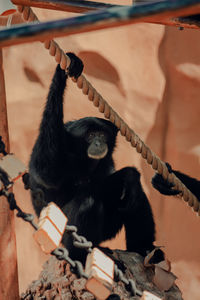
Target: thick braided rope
x=110, y=114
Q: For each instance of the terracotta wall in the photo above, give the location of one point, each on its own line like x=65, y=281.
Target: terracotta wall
x=150, y=75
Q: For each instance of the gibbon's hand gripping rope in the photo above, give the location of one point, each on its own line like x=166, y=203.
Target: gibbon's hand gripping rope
x=110, y=114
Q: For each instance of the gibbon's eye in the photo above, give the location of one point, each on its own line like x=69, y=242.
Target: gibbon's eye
x=102, y=135
x=91, y=135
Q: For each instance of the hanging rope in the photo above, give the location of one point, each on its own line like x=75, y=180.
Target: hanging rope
x=110, y=114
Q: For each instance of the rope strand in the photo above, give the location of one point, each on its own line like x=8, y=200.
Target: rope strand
x=98, y=101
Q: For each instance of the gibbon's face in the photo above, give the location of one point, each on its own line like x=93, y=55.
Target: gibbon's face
x=97, y=144
x=92, y=137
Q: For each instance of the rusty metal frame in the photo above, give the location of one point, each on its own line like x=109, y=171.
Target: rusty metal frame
x=158, y=12
x=75, y=6
x=78, y=6
x=8, y=257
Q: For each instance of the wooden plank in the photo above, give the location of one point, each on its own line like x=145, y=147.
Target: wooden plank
x=64, y=5
x=8, y=255
x=112, y=17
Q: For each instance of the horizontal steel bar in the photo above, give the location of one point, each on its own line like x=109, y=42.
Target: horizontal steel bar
x=75, y=6
x=112, y=17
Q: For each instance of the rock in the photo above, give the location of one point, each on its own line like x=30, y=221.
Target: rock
x=57, y=282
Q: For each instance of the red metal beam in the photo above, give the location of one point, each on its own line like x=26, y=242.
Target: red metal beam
x=8, y=255
x=64, y=5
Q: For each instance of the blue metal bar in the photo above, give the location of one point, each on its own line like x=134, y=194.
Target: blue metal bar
x=111, y=17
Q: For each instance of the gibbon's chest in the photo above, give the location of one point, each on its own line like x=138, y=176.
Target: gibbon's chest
x=76, y=189
x=82, y=202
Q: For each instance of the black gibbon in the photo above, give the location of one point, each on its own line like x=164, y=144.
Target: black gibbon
x=72, y=165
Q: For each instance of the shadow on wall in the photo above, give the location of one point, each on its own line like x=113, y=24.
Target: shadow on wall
x=99, y=67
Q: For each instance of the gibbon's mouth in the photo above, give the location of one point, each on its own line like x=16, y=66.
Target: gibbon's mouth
x=97, y=153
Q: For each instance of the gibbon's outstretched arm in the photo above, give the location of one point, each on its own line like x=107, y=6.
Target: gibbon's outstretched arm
x=48, y=152
x=166, y=188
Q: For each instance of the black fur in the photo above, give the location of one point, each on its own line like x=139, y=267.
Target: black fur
x=113, y=297
x=166, y=188
x=95, y=197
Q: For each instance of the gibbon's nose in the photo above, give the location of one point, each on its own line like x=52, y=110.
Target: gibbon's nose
x=97, y=143
x=97, y=149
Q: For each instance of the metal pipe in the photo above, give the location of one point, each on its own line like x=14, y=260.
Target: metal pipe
x=112, y=17
x=8, y=255
x=75, y=6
